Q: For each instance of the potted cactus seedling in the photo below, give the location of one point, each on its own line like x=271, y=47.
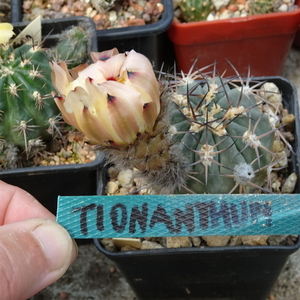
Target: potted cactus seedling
x=30, y=125
x=128, y=28
x=244, y=41
x=201, y=133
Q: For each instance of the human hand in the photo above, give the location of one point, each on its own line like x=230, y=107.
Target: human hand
x=34, y=250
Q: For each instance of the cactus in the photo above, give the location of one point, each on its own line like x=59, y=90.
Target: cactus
x=29, y=116
x=257, y=7
x=207, y=127
x=72, y=47
x=223, y=133
x=25, y=104
x=195, y=10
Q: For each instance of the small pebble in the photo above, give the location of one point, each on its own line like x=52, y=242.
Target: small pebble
x=216, y=241
x=255, y=240
x=125, y=178
x=233, y=8
x=178, y=242
x=150, y=245
x=290, y=183
x=64, y=295
x=283, y=8
x=196, y=241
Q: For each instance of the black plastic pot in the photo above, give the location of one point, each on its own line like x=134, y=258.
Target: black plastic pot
x=49, y=182
x=52, y=28
x=227, y=273
x=150, y=40
x=219, y=273
x=46, y=183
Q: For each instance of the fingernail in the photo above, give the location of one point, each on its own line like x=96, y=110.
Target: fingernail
x=59, y=248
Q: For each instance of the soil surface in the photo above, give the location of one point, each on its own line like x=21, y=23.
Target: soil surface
x=93, y=276
x=4, y=11
x=106, y=14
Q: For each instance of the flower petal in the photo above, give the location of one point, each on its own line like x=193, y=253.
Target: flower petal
x=104, y=55
x=138, y=72
x=6, y=32
x=106, y=70
x=75, y=71
x=125, y=110
x=87, y=120
x=60, y=77
x=99, y=109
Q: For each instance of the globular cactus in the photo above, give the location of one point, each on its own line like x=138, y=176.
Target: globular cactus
x=26, y=106
x=223, y=133
x=29, y=115
x=195, y=10
x=209, y=135
x=73, y=46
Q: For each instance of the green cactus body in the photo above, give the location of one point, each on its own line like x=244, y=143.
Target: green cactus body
x=257, y=7
x=26, y=105
x=195, y=10
x=72, y=47
x=220, y=131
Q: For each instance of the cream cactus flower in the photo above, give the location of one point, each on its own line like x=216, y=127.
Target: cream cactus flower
x=6, y=32
x=113, y=100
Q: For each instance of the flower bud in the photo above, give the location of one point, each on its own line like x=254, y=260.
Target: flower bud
x=111, y=101
x=6, y=32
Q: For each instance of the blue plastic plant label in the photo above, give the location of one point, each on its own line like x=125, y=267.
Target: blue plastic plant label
x=179, y=215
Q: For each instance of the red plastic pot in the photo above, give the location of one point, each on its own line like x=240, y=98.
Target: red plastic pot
x=261, y=42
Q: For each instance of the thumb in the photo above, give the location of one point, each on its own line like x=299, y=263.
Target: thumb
x=33, y=254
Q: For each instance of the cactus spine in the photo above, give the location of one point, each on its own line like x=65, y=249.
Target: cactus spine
x=29, y=116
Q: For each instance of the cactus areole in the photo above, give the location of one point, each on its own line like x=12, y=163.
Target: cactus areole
x=26, y=105
x=224, y=134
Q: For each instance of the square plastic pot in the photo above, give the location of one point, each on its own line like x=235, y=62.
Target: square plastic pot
x=261, y=42
x=52, y=28
x=215, y=273
x=150, y=40
x=46, y=183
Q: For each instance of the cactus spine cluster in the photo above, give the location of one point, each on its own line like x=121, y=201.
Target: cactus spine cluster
x=29, y=116
x=195, y=10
